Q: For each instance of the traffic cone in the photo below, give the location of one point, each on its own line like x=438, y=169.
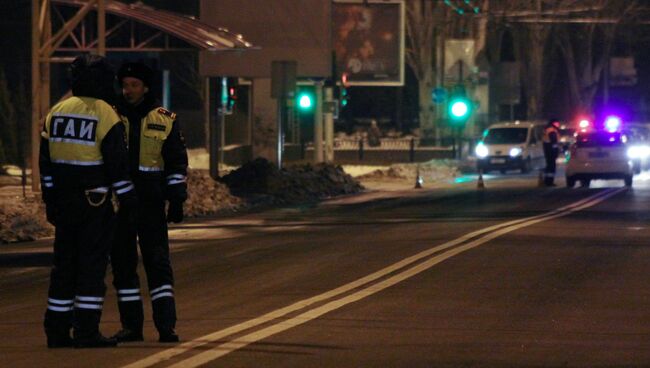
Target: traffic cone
x=479, y=182
x=418, y=178
x=540, y=179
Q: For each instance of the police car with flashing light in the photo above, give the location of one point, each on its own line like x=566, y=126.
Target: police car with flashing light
x=599, y=154
x=512, y=145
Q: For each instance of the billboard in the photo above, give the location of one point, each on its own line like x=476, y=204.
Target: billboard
x=368, y=41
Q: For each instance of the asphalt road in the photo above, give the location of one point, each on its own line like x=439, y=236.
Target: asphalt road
x=448, y=276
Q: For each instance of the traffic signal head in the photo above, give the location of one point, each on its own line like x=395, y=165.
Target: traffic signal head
x=232, y=98
x=460, y=109
x=305, y=101
x=344, y=96
x=228, y=94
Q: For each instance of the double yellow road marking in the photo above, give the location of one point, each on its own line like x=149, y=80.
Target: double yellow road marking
x=354, y=291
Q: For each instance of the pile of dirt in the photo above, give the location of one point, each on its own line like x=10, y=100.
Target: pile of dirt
x=208, y=197
x=262, y=180
x=23, y=219
x=257, y=183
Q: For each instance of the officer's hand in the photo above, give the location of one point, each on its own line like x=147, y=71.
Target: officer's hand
x=51, y=213
x=175, y=212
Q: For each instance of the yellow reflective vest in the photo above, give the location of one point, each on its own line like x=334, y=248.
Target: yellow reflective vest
x=75, y=129
x=154, y=130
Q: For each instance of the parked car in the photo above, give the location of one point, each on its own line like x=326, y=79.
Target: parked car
x=513, y=145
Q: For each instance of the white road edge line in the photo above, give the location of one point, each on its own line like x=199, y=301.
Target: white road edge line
x=309, y=315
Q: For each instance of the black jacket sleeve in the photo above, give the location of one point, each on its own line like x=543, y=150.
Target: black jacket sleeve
x=45, y=166
x=116, y=162
x=174, y=154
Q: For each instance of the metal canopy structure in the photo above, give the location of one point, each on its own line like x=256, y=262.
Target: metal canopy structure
x=83, y=26
x=137, y=27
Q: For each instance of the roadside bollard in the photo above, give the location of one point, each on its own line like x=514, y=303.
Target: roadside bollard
x=479, y=182
x=418, y=178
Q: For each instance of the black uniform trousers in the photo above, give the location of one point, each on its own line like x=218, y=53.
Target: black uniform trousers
x=82, y=242
x=151, y=233
x=550, y=155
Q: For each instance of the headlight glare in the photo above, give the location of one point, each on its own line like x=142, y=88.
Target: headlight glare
x=640, y=151
x=481, y=150
x=514, y=152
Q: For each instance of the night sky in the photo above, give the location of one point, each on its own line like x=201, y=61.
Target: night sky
x=364, y=102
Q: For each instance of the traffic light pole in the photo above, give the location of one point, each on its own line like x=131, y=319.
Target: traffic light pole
x=282, y=111
x=328, y=117
x=318, y=124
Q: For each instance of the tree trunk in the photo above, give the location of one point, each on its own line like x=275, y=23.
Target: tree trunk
x=426, y=113
x=534, y=81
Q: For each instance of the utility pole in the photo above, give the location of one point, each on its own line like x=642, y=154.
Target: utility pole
x=36, y=96
x=283, y=87
x=328, y=117
x=318, y=124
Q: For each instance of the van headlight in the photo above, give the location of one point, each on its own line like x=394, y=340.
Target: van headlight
x=481, y=150
x=514, y=152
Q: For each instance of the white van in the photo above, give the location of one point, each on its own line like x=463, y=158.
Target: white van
x=511, y=146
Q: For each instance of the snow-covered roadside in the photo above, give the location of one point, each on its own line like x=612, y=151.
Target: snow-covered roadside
x=258, y=183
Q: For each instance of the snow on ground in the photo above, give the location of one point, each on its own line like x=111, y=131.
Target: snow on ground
x=22, y=218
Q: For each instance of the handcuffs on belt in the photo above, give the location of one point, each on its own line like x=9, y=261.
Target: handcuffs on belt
x=101, y=190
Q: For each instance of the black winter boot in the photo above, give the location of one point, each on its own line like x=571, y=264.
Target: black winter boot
x=128, y=335
x=58, y=339
x=168, y=335
x=94, y=341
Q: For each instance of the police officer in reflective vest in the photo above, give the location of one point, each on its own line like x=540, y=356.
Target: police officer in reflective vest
x=551, y=139
x=158, y=165
x=83, y=154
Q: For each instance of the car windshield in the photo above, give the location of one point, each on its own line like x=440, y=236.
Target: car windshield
x=506, y=135
x=599, y=139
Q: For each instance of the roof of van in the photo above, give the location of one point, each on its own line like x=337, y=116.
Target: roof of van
x=516, y=124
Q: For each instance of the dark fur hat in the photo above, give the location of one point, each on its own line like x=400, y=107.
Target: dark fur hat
x=136, y=70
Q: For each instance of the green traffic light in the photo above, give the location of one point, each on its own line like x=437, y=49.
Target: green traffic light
x=305, y=101
x=459, y=109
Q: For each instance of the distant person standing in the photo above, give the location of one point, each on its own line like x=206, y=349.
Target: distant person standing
x=374, y=134
x=551, y=139
x=158, y=165
x=82, y=155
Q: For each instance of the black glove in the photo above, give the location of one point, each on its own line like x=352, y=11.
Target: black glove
x=129, y=209
x=51, y=213
x=175, y=212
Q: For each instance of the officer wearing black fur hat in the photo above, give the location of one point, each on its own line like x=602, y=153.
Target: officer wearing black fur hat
x=158, y=165
x=550, y=144
x=83, y=154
